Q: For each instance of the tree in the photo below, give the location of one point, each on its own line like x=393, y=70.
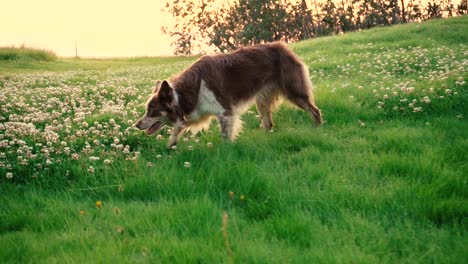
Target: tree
x=243, y=22
x=330, y=17
x=434, y=10
x=462, y=8
x=187, y=14
x=206, y=23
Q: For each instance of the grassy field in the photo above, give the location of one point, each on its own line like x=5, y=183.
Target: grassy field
x=384, y=180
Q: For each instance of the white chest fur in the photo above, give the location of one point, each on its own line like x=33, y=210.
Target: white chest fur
x=206, y=105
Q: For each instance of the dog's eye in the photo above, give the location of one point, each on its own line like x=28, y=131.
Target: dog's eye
x=153, y=112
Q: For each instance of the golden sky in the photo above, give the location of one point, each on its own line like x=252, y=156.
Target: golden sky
x=102, y=28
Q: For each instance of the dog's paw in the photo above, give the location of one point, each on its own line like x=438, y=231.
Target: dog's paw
x=171, y=145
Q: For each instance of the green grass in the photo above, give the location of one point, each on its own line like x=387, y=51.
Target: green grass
x=379, y=182
x=24, y=55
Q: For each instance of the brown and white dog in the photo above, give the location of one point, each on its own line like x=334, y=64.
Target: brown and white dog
x=224, y=86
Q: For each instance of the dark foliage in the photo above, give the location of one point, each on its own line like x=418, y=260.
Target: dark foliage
x=202, y=24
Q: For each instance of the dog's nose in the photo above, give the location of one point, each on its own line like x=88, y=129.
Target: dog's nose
x=138, y=124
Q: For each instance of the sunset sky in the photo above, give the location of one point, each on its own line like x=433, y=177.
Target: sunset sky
x=102, y=28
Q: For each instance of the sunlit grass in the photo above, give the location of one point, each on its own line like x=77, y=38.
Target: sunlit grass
x=25, y=55
x=374, y=184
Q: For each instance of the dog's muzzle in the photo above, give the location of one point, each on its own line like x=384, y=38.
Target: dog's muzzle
x=149, y=125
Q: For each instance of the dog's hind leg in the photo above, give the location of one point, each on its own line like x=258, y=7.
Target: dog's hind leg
x=305, y=102
x=265, y=105
x=297, y=88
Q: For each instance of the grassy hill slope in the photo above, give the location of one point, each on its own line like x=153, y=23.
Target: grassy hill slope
x=382, y=181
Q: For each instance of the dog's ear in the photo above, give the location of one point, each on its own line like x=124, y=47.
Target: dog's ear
x=157, y=86
x=165, y=92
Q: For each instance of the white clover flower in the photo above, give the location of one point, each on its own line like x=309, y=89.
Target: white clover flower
x=187, y=164
x=426, y=100
x=107, y=161
x=93, y=158
x=158, y=156
x=9, y=175
x=4, y=143
x=91, y=169
x=126, y=149
x=209, y=145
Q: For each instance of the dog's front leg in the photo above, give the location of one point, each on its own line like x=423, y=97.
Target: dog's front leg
x=176, y=132
x=229, y=126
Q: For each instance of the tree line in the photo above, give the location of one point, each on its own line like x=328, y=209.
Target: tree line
x=207, y=24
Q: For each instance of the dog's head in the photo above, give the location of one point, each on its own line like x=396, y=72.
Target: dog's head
x=161, y=109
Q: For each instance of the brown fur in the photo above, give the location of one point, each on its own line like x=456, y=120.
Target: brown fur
x=262, y=73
